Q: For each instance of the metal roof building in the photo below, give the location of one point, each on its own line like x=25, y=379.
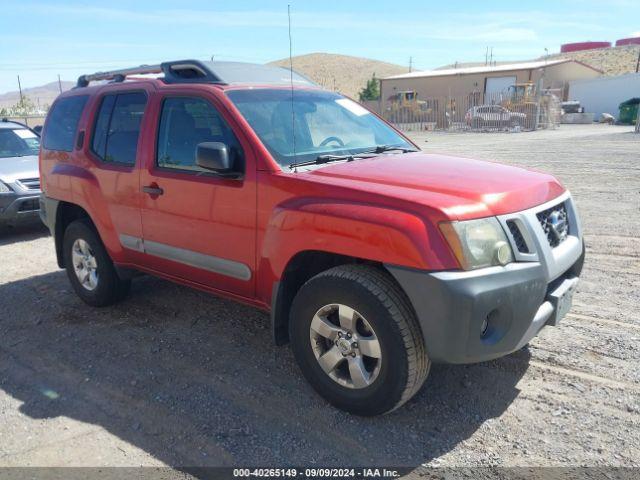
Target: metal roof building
x=488, y=80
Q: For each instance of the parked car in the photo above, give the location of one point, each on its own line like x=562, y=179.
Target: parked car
x=374, y=259
x=19, y=177
x=493, y=116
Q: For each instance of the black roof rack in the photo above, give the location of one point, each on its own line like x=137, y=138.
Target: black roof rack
x=196, y=71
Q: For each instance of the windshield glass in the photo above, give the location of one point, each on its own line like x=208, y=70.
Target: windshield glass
x=18, y=142
x=325, y=124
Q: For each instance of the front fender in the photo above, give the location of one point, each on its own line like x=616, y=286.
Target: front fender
x=363, y=231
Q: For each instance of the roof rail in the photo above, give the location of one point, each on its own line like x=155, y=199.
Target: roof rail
x=178, y=71
x=196, y=71
x=117, y=75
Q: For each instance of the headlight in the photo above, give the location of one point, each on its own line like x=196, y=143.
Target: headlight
x=478, y=243
x=4, y=188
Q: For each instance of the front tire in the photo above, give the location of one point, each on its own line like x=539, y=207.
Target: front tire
x=89, y=267
x=357, y=341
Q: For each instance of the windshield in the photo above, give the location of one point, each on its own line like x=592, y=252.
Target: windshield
x=325, y=124
x=18, y=142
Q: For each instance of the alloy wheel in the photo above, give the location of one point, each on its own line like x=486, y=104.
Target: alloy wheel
x=84, y=264
x=345, y=346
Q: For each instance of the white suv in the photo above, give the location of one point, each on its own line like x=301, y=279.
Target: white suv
x=19, y=175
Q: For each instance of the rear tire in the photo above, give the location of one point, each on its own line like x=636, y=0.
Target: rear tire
x=89, y=267
x=364, y=380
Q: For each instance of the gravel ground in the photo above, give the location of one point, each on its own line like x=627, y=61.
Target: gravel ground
x=176, y=377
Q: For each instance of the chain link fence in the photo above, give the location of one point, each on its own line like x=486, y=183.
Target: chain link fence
x=513, y=111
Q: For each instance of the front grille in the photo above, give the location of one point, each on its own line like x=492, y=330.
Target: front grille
x=555, y=223
x=30, y=183
x=29, y=205
x=521, y=245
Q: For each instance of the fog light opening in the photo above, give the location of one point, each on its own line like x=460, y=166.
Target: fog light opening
x=494, y=326
x=484, y=327
x=491, y=326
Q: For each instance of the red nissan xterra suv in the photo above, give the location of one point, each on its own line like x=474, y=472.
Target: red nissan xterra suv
x=373, y=258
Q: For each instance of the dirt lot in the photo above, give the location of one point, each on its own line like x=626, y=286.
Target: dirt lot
x=176, y=377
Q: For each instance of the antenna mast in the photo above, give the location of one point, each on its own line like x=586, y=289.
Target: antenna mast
x=293, y=113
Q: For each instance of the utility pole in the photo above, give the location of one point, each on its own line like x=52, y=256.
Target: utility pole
x=638, y=63
x=20, y=90
x=22, y=100
x=491, y=57
x=486, y=56
x=59, y=84
x=410, y=64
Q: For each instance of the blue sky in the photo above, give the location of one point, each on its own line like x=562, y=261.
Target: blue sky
x=42, y=38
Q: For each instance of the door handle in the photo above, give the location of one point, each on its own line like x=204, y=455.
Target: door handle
x=153, y=190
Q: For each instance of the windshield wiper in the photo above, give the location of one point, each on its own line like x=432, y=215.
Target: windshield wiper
x=319, y=160
x=391, y=148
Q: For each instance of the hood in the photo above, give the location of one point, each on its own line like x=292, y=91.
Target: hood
x=16, y=168
x=462, y=188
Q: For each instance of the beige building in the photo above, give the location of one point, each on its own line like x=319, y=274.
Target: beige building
x=487, y=80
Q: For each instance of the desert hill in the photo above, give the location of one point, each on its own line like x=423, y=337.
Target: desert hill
x=612, y=61
x=343, y=73
x=44, y=94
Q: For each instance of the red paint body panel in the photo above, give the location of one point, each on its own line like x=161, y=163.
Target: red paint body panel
x=460, y=188
x=385, y=209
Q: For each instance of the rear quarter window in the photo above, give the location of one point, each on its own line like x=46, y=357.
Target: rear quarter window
x=62, y=122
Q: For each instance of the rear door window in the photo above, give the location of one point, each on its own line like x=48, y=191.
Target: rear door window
x=117, y=127
x=62, y=123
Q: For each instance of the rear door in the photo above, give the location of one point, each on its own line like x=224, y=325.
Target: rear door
x=114, y=134
x=197, y=225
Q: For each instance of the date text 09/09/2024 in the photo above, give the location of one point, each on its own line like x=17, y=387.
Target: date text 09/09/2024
x=373, y=472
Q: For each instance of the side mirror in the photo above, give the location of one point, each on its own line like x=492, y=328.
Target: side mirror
x=213, y=156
